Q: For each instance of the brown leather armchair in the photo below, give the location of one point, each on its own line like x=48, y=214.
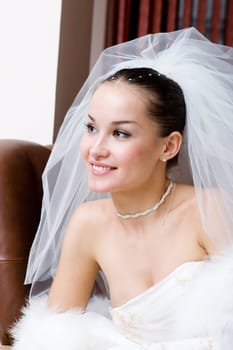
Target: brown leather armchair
x=21, y=167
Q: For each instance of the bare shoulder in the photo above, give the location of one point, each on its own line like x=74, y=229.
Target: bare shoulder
x=186, y=197
x=93, y=212
x=187, y=193
x=88, y=219
x=186, y=204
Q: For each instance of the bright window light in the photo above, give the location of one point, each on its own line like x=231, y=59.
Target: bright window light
x=29, y=40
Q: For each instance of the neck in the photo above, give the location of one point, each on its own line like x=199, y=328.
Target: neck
x=137, y=201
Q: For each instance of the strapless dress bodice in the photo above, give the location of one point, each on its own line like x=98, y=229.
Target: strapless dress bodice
x=150, y=316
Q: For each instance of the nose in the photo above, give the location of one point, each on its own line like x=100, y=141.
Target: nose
x=99, y=147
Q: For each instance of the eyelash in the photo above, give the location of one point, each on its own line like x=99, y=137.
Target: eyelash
x=89, y=127
x=118, y=133
x=121, y=134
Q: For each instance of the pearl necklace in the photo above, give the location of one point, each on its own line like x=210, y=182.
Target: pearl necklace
x=150, y=210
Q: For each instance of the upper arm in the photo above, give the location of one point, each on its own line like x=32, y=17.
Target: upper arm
x=77, y=267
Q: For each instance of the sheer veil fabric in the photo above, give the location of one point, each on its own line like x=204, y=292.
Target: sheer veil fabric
x=205, y=73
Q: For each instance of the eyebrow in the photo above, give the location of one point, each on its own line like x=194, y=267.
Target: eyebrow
x=117, y=122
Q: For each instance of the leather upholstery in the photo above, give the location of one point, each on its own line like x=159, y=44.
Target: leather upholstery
x=21, y=167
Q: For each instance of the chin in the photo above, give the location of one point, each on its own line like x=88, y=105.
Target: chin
x=99, y=188
x=103, y=186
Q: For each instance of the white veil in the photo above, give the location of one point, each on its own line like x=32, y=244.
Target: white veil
x=205, y=73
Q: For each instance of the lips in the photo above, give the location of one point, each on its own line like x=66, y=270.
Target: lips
x=101, y=169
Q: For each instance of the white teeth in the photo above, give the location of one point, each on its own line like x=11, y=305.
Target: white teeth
x=99, y=168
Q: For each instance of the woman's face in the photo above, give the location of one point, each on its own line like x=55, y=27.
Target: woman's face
x=121, y=146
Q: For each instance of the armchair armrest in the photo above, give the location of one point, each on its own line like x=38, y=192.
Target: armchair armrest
x=21, y=167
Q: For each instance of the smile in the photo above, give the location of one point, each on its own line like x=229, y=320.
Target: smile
x=101, y=169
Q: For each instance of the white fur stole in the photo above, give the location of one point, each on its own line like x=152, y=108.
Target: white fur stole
x=41, y=328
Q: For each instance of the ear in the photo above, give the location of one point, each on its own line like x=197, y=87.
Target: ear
x=172, y=146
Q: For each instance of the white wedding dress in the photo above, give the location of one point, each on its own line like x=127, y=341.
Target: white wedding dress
x=149, y=318
x=190, y=309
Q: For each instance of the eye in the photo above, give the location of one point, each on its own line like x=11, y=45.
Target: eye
x=121, y=134
x=90, y=128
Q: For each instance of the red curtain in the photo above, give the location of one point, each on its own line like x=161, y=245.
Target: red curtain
x=229, y=23
x=128, y=19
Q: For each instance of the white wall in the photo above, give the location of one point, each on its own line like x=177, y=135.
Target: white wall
x=29, y=39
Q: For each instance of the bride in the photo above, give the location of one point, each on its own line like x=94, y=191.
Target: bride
x=153, y=124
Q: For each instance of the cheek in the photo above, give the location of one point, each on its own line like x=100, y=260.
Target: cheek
x=141, y=153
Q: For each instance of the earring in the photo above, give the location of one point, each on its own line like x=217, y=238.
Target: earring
x=163, y=160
